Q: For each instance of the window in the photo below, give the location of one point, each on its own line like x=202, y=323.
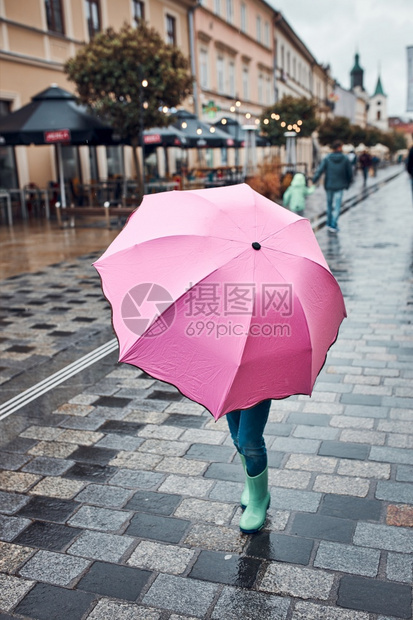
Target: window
x=231, y=78
x=268, y=90
x=138, y=10
x=259, y=28
x=217, y=7
x=8, y=169
x=288, y=63
x=294, y=68
x=261, y=88
x=93, y=17
x=114, y=161
x=220, y=74
x=203, y=68
x=54, y=16
x=170, y=30
x=230, y=11
x=245, y=83
x=267, y=34
x=378, y=115
x=282, y=57
x=243, y=17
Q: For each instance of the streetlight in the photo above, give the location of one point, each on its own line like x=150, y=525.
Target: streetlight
x=143, y=105
x=235, y=108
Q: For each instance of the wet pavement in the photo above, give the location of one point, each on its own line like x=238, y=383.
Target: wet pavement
x=119, y=498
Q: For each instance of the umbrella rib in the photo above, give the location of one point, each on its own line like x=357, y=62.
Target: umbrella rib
x=222, y=213
x=280, y=230
x=296, y=299
x=199, y=281
x=306, y=258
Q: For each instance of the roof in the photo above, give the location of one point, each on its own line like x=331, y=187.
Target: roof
x=379, y=88
x=356, y=68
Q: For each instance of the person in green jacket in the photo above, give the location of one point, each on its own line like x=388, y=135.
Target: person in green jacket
x=295, y=195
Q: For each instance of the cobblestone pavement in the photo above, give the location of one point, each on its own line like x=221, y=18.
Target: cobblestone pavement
x=119, y=498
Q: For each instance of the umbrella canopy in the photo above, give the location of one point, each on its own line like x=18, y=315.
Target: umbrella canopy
x=251, y=317
x=54, y=116
x=164, y=136
x=199, y=134
x=234, y=129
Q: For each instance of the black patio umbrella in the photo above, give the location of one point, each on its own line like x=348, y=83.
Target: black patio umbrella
x=236, y=131
x=200, y=134
x=164, y=136
x=55, y=117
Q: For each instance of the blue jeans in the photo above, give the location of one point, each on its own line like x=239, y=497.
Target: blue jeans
x=247, y=427
x=334, y=199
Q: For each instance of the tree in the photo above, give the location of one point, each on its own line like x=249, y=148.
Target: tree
x=296, y=112
x=110, y=74
x=394, y=140
x=338, y=128
x=373, y=136
x=358, y=135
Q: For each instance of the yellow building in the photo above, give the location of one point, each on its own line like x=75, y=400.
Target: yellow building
x=36, y=38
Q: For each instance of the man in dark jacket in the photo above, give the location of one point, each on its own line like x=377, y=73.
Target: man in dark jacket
x=338, y=176
x=409, y=165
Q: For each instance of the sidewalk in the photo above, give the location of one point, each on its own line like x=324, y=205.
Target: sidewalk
x=119, y=498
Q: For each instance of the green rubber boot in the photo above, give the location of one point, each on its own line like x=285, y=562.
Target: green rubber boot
x=253, y=517
x=245, y=494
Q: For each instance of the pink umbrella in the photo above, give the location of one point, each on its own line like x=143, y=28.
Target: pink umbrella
x=224, y=294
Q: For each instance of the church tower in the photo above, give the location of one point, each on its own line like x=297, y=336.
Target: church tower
x=377, y=114
x=361, y=102
x=357, y=74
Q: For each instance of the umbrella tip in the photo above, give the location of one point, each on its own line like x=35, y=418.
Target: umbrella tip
x=256, y=245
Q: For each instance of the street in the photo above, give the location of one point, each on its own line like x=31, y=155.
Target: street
x=119, y=497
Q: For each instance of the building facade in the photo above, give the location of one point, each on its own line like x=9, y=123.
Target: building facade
x=36, y=39
x=234, y=57
x=357, y=105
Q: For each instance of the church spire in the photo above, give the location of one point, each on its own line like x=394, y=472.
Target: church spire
x=379, y=88
x=357, y=73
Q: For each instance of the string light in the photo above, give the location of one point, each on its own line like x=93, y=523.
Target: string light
x=184, y=125
x=199, y=131
x=223, y=121
x=248, y=115
x=283, y=124
x=212, y=129
x=144, y=83
x=266, y=121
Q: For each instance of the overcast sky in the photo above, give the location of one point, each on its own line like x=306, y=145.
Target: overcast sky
x=379, y=29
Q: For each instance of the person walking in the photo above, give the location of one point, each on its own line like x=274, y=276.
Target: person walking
x=409, y=166
x=365, y=162
x=295, y=195
x=352, y=157
x=337, y=177
x=246, y=428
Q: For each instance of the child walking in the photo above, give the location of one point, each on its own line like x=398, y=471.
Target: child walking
x=297, y=192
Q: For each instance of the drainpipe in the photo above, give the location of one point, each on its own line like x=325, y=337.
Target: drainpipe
x=192, y=56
